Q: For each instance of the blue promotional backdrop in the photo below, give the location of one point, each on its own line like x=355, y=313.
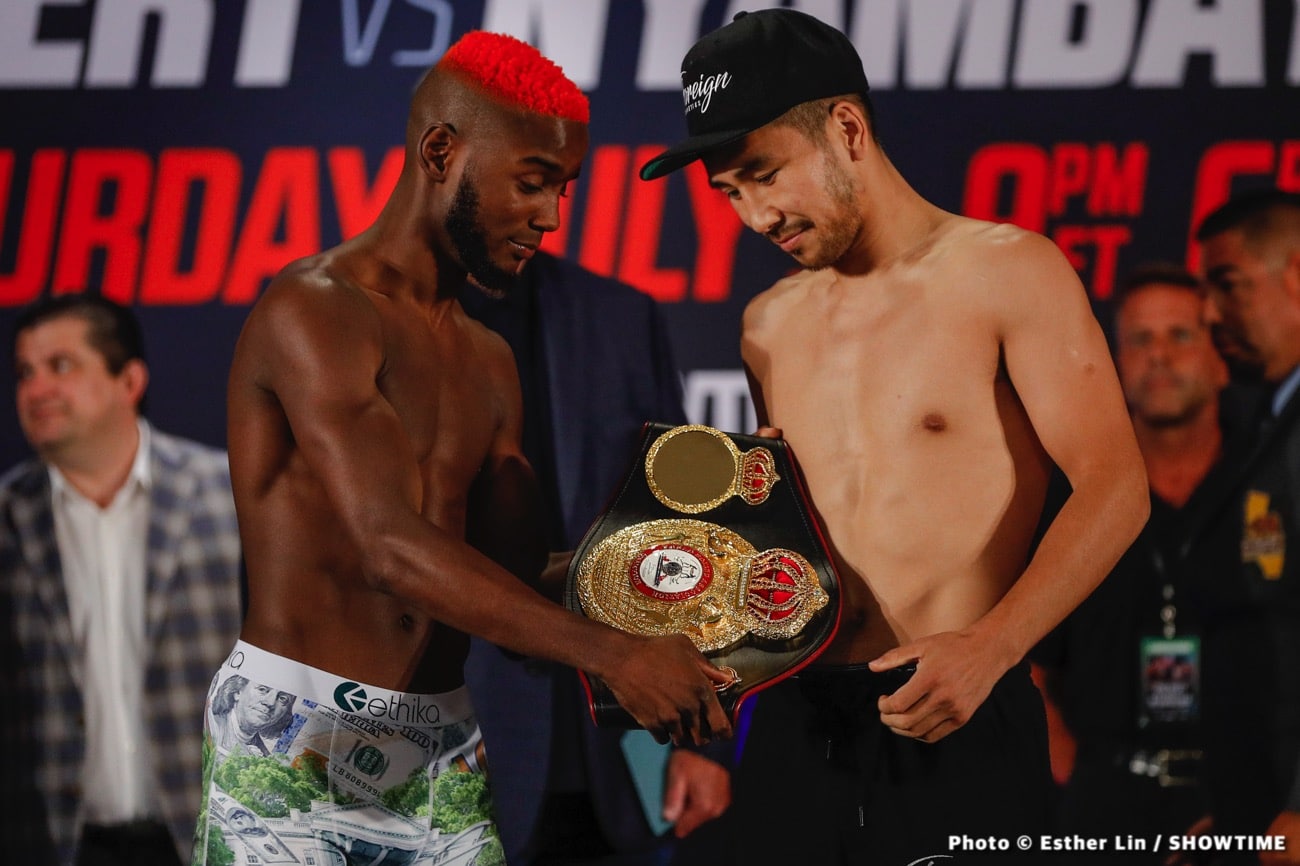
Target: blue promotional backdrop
x=174, y=154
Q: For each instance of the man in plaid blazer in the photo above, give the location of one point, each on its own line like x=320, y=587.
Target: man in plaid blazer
x=119, y=595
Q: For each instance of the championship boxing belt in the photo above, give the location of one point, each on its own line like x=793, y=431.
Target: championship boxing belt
x=710, y=535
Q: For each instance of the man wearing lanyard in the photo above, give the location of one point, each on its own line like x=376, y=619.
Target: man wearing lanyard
x=1248, y=553
x=1124, y=667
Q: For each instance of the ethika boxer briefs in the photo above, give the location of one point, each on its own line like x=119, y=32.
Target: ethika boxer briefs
x=302, y=766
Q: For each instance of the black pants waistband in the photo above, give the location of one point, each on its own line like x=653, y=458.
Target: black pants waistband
x=855, y=677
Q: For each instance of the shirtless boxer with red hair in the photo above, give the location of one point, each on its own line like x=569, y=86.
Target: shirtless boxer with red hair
x=384, y=498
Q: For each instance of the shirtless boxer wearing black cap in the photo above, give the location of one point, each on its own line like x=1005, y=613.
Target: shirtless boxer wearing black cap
x=927, y=370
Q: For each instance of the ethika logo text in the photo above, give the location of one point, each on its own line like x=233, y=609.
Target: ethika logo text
x=700, y=94
x=410, y=709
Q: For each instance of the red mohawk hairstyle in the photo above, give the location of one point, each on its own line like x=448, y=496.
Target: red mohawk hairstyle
x=517, y=74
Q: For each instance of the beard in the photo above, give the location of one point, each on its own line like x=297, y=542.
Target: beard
x=469, y=239
x=839, y=231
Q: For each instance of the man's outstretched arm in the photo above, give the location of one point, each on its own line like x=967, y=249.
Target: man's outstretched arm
x=320, y=351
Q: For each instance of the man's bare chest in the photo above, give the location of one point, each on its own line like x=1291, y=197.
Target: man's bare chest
x=913, y=363
x=448, y=407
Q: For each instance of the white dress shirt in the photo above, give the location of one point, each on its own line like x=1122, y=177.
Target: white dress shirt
x=102, y=551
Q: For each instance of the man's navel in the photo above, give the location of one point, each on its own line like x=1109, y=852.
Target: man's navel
x=935, y=422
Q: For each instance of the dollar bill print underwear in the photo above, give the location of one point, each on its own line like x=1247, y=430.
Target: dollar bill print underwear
x=301, y=766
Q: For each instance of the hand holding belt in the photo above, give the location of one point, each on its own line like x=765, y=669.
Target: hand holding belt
x=752, y=586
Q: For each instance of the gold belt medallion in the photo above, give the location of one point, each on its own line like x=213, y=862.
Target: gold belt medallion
x=695, y=468
x=700, y=579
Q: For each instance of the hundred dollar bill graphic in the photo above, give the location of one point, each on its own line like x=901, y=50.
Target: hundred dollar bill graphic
x=377, y=778
x=250, y=832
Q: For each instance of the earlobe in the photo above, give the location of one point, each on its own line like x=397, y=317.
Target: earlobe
x=436, y=146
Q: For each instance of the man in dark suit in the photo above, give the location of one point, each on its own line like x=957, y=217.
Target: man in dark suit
x=594, y=364
x=1248, y=554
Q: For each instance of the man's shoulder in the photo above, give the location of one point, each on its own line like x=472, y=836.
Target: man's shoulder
x=193, y=479
x=315, y=305
x=24, y=479
x=320, y=279
x=25, y=506
x=1014, y=266
x=979, y=237
x=789, y=289
x=342, y=281
x=178, y=454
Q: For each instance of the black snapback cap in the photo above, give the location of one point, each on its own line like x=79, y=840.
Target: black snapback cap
x=748, y=73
